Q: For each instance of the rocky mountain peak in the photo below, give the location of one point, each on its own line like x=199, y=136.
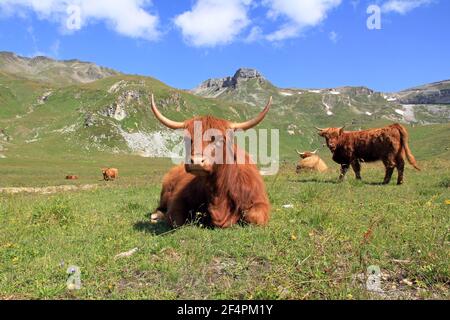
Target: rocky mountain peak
x=218, y=85
x=39, y=59
x=247, y=73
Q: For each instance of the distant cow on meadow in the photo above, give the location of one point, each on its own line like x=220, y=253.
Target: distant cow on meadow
x=310, y=161
x=110, y=174
x=388, y=144
x=71, y=177
x=223, y=193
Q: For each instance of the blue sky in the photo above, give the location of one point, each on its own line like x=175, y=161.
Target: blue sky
x=294, y=43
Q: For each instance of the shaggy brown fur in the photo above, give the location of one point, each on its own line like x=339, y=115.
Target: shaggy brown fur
x=110, y=173
x=225, y=195
x=388, y=144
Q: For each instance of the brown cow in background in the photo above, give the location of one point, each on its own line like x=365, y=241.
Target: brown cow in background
x=310, y=161
x=223, y=194
x=110, y=174
x=388, y=144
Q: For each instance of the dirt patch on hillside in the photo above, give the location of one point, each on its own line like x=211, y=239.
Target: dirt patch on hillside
x=48, y=190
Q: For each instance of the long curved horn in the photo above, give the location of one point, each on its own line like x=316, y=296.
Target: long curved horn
x=315, y=151
x=165, y=121
x=300, y=153
x=320, y=129
x=253, y=122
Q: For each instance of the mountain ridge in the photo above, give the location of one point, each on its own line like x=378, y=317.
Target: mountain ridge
x=112, y=114
x=214, y=87
x=56, y=72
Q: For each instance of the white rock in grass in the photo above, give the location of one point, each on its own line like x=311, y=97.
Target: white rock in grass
x=126, y=254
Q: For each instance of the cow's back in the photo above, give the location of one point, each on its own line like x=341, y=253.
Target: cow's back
x=313, y=162
x=321, y=165
x=368, y=145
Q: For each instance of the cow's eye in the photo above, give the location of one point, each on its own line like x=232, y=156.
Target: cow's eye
x=213, y=138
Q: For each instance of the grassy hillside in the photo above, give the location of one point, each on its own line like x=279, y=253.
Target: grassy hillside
x=86, y=118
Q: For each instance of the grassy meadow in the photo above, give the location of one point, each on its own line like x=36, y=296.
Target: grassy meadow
x=321, y=238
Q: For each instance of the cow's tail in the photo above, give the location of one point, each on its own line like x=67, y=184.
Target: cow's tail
x=404, y=141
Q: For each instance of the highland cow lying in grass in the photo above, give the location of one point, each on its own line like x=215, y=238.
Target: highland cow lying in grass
x=310, y=161
x=223, y=193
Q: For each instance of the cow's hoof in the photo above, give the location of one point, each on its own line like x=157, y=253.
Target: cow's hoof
x=157, y=217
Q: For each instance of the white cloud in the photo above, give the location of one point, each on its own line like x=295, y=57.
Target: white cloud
x=403, y=6
x=299, y=14
x=214, y=22
x=126, y=17
x=255, y=34
x=334, y=37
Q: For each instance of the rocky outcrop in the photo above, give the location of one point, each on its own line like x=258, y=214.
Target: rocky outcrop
x=355, y=91
x=426, y=97
x=116, y=110
x=44, y=98
x=219, y=84
x=433, y=93
x=154, y=144
x=4, y=136
x=89, y=120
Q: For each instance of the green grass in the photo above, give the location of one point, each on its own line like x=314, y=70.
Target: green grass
x=314, y=250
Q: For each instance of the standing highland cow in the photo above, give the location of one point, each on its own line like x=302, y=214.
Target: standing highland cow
x=388, y=144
